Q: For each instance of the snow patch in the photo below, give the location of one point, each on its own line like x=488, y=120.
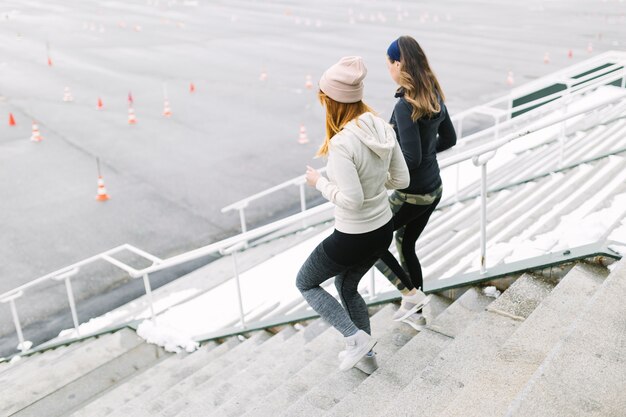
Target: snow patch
x=172, y=340
x=491, y=291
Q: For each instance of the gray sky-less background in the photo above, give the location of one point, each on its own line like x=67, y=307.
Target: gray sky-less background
x=237, y=135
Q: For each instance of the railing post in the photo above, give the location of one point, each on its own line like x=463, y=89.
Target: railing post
x=16, y=321
x=65, y=276
x=459, y=135
x=509, y=107
x=146, y=284
x=238, y=286
x=70, y=297
x=372, y=283
x=302, y=197
x=483, y=218
x=242, y=219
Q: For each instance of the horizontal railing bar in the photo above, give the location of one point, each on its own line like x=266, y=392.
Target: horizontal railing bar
x=231, y=241
x=143, y=253
x=244, y=202
x=494, y=145
x=61, y=271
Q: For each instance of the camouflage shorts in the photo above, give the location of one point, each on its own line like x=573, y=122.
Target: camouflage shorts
x=396, y=200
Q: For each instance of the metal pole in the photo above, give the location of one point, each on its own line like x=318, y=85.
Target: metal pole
x=302, y=197
x=146, y=284
x=18, y=328
x=459, y=135
x=238, y=286
x=510, y=107
x=70, y=297
x=483, y=218
x=372, y=284
x=242, y=218
x=562, y=145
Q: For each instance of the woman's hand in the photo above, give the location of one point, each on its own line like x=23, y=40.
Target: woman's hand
x=312, y=175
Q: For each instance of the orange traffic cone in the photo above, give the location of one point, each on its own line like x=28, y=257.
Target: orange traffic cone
x=570, y=54
x=509, y=79
x=308, y=83
x=11, y=120
x=36, y=136
x=192, y=88
x=49, y=61
x=67, y=95
x=546, y=58
x=167, y=112
x=132, y=120
x=100, y=105
x=102, y=192
x=302, y=139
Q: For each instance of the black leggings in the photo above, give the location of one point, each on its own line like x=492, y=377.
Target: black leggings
x=409, y=221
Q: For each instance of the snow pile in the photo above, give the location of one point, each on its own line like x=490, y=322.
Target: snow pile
x=491, y=291
x=170, y=339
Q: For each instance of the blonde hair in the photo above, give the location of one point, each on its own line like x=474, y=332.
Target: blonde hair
x=421, y=88
x=338, y=115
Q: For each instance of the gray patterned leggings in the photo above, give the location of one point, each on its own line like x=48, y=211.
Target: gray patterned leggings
x=319, y=267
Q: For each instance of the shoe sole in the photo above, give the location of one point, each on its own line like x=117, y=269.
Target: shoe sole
x=414, y=309
x=418, y=327
x=344, y=366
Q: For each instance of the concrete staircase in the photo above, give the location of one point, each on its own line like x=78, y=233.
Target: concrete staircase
x=521, y=354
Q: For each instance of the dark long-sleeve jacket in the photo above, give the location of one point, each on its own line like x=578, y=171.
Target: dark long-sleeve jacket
x=420, y=141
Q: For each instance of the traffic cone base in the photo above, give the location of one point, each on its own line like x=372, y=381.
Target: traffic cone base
x=132, y=120
x=167, y=112
x=36, y=136
x=102, y=192
x=303, y=139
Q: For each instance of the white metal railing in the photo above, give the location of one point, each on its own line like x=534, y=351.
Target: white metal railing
x=479, y=155
x=573, y=87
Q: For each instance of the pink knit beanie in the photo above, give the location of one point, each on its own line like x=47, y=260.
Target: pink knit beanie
x=343, y=82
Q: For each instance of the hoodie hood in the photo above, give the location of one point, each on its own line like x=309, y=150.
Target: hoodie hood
x=375, y=133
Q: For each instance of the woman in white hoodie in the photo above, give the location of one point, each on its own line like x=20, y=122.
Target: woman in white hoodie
x=364, y=160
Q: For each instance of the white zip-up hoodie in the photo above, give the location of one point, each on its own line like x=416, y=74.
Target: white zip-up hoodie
x=364, y=160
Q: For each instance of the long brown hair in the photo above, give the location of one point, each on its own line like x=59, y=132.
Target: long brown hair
x=338, y=115
x=417, y=80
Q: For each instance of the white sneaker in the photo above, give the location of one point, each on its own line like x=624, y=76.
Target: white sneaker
x=411, y=304
x=416, y=320
x=368, y=364
x=357, y=346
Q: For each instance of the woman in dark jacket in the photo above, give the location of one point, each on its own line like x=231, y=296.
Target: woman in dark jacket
x=423, y=128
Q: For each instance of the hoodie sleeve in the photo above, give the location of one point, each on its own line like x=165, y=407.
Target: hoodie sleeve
x=408, y=135
x=398, y=176
x=346, y=190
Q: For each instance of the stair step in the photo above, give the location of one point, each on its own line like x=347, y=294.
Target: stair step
x=329, y=392
x=214, y=392
x=150, y=383
x=37, y=362
x=93, y=367
x=317, y=335
x=372, y=396
x=470, y=352
x=321, y=363
x=584, y=373
x=490, y=393
x=179, y=389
